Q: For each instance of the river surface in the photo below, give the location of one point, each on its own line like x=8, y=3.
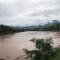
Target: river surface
x=11, y=46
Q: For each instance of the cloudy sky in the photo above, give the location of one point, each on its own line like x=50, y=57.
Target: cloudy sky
x=28, y=12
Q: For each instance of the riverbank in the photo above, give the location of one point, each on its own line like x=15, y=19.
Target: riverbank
x=57, y=56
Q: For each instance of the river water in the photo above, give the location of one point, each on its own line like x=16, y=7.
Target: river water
x=11, y=45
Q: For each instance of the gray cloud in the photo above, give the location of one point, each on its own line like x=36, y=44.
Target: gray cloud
x=28, y=12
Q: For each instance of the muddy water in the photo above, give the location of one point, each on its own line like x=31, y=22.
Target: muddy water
x=11, y=45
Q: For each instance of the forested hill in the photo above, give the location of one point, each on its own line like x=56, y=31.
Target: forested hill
x=4, y=29
x=51, y=26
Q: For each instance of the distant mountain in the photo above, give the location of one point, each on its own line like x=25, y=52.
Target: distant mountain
x=50, y=26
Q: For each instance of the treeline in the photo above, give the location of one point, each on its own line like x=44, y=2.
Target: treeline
x=4, y=29
x=54, y=26
x=50, y=26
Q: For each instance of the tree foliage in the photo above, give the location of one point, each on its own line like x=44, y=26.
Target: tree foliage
x=50, y=26
x=4, y=29
x=44, y=50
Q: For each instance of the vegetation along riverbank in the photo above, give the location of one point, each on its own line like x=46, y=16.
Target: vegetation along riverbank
x=44, y=50
x=50, y=26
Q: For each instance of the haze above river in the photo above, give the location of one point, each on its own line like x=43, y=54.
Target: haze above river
x=11, y=45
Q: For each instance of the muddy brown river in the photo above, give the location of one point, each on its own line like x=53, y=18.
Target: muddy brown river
x=11, y=45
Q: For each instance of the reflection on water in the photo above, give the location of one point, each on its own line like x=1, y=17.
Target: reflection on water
x=11, y=45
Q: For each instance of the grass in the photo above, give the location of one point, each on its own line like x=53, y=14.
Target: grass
x=57, y=56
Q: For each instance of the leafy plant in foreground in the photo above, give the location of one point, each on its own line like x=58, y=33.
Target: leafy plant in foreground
x=44, y=50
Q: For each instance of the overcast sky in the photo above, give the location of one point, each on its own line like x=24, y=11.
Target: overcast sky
x=28, y=12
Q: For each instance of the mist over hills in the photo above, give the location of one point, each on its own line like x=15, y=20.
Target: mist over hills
x=50, y=26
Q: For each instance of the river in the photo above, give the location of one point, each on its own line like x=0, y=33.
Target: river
x=11, y=45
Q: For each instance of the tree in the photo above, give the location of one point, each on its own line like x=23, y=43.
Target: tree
x=44, y=50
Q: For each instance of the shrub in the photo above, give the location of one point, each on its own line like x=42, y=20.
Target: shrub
x=44, y=50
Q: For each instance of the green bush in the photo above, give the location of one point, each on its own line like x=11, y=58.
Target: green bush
x=44, y=50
